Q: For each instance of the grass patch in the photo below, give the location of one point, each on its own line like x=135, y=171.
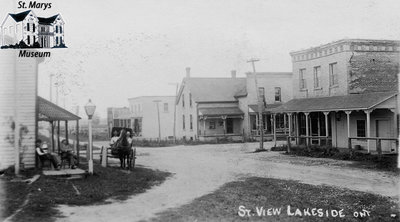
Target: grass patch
x=47, y=192
x=223, y=204
x=362, y=160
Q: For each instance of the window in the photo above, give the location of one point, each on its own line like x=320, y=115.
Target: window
x=191, y=122
x=302, y=82
x=360, y=128
x=29, y=40
x=277, y=94
x=165, y=107
x=333, y=75
x=190, y=99
x=212, y=125
x=27, y=27
x=317, y=73
x=183, y=121
x=33, y=28
x=61, y=41
x=60, y=29
x=56, y=29
x=183, y=100
x=43, y=29
x=57, y=40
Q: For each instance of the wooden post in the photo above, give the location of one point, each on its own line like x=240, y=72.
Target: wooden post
x=52, y=136
x=288, y=144
x=284, y=123
x=58, y=137
x=66, y=130
x=368, y=112
x=379, y=148
x=326, y=127
x=307, y=129
x=274, y=119
x=296, y=117
x=77, y=140
x=204, y=125
x=104, y=156
x=348, y=124
x=290, y=123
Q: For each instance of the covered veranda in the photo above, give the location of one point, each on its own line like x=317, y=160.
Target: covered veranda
x=50, y=112
x=365, y=121
x=220, y=122
x=268, y=118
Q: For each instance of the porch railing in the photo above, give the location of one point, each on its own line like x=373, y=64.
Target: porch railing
x=378, y=141
x=308, y=140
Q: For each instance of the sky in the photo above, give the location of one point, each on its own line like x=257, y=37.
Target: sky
x=122, y=49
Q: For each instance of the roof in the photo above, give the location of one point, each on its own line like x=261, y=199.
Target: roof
x=122, y=113
x=49, y=111
x=335, y=103
x=20, y=16
x=216, y=111
x=214, y=89
x=48, y=20
x=267, y=108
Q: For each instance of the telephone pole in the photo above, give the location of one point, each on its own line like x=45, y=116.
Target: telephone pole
x=260, y=103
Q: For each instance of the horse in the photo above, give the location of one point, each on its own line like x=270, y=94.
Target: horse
x=124, y=153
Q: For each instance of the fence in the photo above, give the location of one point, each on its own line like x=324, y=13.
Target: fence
x=378, y=141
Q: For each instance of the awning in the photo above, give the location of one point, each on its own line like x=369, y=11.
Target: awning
x=336, y=103
x=219, y=111
x=267, y=108
x=49, y=111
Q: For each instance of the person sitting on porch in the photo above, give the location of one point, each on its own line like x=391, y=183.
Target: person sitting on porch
x=43, y=155
x=67, y=152
x=114, y=138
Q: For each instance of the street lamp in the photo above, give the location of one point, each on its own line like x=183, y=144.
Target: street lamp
x=90, y=108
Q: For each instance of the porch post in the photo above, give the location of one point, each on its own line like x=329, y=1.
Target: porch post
x=52, y=136
x=307, y=128
x=204, y=126
x=296, y=117
x=326, y=127
x=348, y=123
x=66, y=130
x=257, y=126
x=284, y=123
x=290, y=126
x=395, y=132
x=368, y=112
x=58, y=136
x=274, y=119
x=77, y=140
x=224, y=118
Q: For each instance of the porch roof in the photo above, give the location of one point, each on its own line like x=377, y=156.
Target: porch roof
x=267, y=108
x=217, y=111
x=336, y=103
x=49, y=111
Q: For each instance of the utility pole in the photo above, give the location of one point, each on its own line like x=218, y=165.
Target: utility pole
x=260, y=104
x=176, y=99
x=159, y=125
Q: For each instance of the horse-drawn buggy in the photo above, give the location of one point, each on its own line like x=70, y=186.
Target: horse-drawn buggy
x=121, y=147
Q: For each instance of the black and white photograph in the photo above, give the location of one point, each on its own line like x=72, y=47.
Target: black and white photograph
x=199, y=110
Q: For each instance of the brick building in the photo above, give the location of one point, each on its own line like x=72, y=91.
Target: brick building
x=346, y=88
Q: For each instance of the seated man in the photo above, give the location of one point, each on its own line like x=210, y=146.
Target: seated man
x=68, y=152
x=43, y=155
x=114, y=138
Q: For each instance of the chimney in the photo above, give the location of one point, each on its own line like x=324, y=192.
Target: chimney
x=233, y=73
x=187, y=72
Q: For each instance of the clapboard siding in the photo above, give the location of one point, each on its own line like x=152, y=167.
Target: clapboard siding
x=18, y=90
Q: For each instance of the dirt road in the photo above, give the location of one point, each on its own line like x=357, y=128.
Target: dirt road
x=199, y=170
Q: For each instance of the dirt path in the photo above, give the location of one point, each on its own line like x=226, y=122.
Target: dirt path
x=199, y=170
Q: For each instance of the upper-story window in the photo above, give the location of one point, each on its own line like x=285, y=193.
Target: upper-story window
x=33, y=27
x=333, y=74
x=60, y=29
x=28, y=27
x=278, y=94
x=302, y=80
x=56, y=29
x=190, y=99
x=183, y=100
x=165, y=107
x=317, y=74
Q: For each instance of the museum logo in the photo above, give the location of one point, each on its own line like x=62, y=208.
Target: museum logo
x=25, y=30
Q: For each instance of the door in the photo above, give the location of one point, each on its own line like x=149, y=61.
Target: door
x=314, y=127
x=383, y=130
x=229, y=125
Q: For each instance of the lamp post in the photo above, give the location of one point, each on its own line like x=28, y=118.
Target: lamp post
x=159, y=125
x=90, y=108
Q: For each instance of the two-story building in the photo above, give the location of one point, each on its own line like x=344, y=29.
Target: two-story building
x=153, y=116
x=346, y=88
x=208, y=108
x=27, y=27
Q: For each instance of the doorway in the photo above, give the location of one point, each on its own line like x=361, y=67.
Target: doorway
x=229, y=126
